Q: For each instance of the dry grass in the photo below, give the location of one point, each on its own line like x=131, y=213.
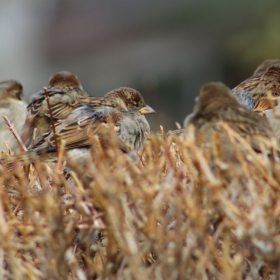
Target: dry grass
x=175, y=214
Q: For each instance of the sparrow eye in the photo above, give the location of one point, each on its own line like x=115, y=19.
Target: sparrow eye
x=136, y=105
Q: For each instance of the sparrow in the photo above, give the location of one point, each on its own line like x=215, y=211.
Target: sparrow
x=63, y=91
x=122, y=112
x=263, y=66
x=255, y=84
x=12, y=106
x=261, y=93
x=217, y=108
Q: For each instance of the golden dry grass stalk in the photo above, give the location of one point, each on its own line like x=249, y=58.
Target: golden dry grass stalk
x=180, y=212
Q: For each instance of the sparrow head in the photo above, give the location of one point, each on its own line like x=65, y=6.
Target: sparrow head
x=64, y=77
x=264, y=65
x=10, y=90
x=273, y=72
x=214, y=96
x=130, y=100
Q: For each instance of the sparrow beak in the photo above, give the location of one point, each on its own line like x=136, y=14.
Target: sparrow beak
x=146, y=110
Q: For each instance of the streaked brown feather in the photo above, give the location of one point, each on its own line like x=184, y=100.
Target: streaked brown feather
x=265, y=86
x=260, y=70
x=264, y=104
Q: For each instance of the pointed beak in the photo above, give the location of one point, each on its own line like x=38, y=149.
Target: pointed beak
x=147, y=110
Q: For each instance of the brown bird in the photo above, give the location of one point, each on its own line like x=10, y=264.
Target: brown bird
x=263, y=67
x=261, y=93
x=12, y=106
x=121, y=111
x=216, y=110
x=252, y=93
x=64, y=89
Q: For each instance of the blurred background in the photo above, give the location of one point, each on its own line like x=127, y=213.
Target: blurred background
x=164, y=49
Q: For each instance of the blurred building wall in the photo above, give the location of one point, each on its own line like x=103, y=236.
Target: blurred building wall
x=165, y=49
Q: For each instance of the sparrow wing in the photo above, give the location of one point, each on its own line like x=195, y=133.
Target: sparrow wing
x=251, y=126
x=62, y=102
x=77, y=133
x=264, y=104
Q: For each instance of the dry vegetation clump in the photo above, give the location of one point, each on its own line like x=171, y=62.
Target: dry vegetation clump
x=179, y=212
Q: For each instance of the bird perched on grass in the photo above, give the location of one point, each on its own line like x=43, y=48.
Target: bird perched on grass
x=217, y=113
x=263, y=67
x=63, y=90
x=121, y=111
x=12, y=106
x=261, y=93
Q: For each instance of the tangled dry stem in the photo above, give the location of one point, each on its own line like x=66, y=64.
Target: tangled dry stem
x=178, y=213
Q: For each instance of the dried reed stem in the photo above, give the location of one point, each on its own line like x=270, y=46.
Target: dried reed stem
x=51, y=117
x=12, y=129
